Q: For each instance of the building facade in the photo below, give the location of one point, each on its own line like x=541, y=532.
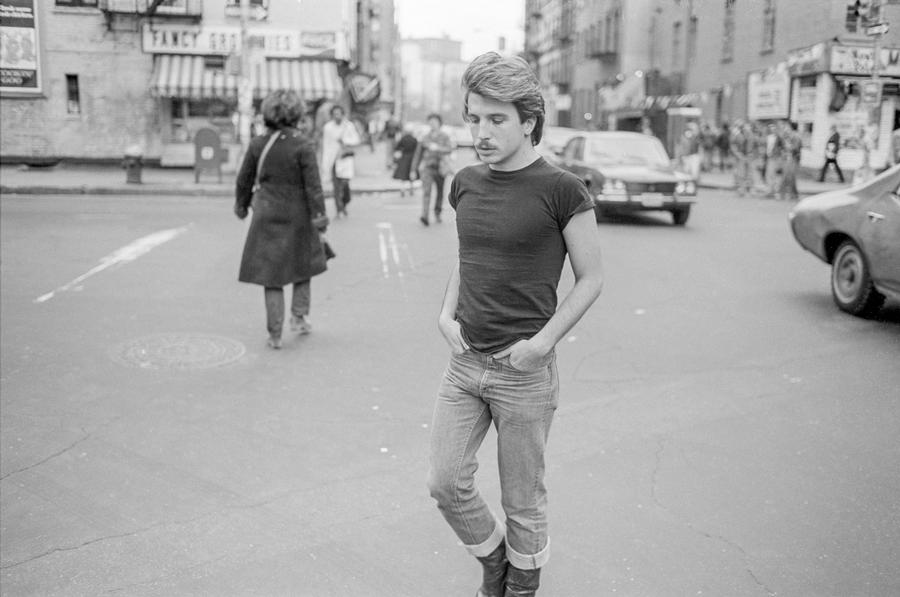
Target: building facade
x=432, y=69
x=619, y=64
x=106, y=75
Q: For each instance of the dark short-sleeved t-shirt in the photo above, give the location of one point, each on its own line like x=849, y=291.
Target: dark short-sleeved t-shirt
x=511, y=248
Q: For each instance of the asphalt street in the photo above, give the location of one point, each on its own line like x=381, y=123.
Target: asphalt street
x=723, y=429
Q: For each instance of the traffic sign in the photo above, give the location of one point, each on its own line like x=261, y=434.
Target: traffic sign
x=878, y=28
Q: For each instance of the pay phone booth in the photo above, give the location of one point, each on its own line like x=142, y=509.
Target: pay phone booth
x=208, y=152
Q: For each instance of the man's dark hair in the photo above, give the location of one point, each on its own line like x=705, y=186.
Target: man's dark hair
x=435, y=115
x=282, y=108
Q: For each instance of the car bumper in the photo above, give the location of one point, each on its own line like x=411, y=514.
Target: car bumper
x=643, y=202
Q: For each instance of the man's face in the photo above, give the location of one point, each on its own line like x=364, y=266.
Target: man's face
x=496, y=131
x=434, y=123
x=337, y=115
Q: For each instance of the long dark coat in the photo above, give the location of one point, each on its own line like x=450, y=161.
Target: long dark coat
x=407, y=148
x=282, y=245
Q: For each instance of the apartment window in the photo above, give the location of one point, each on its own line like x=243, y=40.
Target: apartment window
x=728, y=32
x=768, y=42
x=692, y=39
x=77, y=3
x=73, y=97
x=676, y=47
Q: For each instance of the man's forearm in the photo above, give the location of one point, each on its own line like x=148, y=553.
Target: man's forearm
x=572, y=309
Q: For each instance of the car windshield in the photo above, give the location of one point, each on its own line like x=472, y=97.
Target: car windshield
x=643, y=151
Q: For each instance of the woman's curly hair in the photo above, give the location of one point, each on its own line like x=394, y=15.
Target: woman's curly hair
x=282, y=108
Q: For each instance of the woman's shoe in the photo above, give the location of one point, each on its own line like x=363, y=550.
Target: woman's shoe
x=301, y=325
x=274, y=343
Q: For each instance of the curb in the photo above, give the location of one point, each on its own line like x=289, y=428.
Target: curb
x=147, y=191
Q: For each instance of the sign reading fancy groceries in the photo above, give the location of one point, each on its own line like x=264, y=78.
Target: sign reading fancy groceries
x=274, y=43
x=19, y=58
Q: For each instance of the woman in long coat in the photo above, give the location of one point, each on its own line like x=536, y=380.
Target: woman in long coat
x=404, y=151
x=283, y=244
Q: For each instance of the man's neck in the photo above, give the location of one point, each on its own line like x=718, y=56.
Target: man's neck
x=526, y=156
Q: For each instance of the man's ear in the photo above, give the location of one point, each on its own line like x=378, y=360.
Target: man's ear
x=529, y=125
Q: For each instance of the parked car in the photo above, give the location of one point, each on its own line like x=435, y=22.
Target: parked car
x=857, y=231
x=553, y=139
x=628, y=172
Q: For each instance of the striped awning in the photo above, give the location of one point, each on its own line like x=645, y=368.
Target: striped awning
x=188, y=77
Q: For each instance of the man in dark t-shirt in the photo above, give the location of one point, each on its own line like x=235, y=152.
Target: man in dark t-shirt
x=517, y=218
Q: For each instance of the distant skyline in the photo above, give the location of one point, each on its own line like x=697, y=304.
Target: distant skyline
x=478, y=24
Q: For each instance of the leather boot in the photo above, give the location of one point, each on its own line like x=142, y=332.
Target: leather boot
x=494, y=574
x=522, y=583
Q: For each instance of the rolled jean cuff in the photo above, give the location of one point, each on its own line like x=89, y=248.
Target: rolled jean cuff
x=487, y=547
x=532, y=562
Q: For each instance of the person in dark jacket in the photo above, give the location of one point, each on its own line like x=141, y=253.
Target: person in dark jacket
x=404, y=150
x=832, y=147
x=283, y=244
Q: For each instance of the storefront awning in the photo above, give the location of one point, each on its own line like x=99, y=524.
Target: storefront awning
x=189, y=77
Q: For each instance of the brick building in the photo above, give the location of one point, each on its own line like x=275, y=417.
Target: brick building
x=625, y=62
x=86, y=79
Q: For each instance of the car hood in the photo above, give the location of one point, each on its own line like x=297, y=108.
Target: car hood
x=825, y=202
x=639, y=173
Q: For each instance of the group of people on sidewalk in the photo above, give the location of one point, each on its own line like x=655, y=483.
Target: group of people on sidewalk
x=518, y=218
x=766, y=158
x=426, y=159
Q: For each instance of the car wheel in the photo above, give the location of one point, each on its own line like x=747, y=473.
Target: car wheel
x=680, y=215
x=851, y=285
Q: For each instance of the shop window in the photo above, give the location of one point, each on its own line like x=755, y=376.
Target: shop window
x=188, y=116
x=676, y=46
x=73, y=96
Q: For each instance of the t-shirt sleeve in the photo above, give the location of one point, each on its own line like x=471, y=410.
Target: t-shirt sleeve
x=571, y=197
x=453, y=196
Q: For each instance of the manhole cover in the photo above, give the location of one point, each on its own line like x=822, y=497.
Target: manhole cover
x=178, y=351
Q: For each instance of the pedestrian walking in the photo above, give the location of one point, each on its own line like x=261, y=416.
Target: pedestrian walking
x=758, y=163
x=791, y=161
x=432, y=164
x=517, y=216
x=774, y=153
x=404, y=150
x=723, y=147
x=832, y=147
x=279, y=179
x=689, y=151
x=339, y=141
x=708, y=140
x=742, y=148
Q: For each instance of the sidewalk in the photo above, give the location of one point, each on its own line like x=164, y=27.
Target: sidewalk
x=372, y=176
x=72, y=179
x=805, y=186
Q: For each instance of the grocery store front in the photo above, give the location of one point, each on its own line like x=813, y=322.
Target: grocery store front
x=199, y=89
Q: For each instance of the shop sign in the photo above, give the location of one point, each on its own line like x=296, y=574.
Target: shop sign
x=20, y=70
x=805, y=61
x=173, y=39
x=319, y=43
x=768, y=93
x=805, y=103
x=870, y=92
x=859, y=60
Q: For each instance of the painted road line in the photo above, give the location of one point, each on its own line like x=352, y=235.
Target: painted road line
x=120, y=256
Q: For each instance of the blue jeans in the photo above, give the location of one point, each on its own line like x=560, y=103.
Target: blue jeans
x=478, y=390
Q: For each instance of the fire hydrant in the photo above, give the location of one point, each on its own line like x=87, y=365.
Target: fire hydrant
x=133, y=164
